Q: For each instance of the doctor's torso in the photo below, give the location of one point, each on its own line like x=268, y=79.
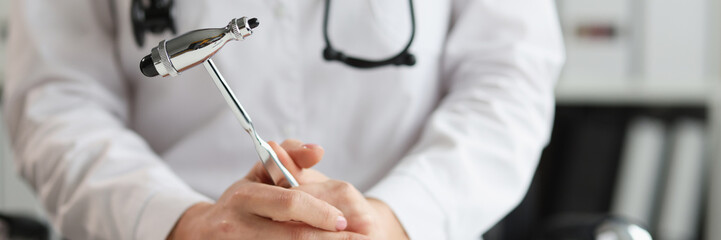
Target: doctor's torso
x=366, y=120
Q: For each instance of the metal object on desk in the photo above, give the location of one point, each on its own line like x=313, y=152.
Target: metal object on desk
x=593, y=227
x=173, y=56
x=621, y=229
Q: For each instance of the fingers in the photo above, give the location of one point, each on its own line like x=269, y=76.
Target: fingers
x=289, y=164
x=304, y=155
x=284, y=205
x=291, y=230
x=309, y=176
x=293, y=152
x=285, y=158
x=332, y=191
x=295, y=156
x=259, y=174
x=348, y=199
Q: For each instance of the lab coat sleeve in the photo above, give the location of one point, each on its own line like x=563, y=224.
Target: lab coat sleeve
x=66, y=106
x=477, y=153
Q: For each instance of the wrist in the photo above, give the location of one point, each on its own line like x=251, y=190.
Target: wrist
x=392, y=226
x=186, y=224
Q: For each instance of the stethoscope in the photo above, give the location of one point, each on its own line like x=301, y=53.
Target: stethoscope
x=157, y=17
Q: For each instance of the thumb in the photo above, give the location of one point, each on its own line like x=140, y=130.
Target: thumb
x=303, y=155
x=298, y=158
x=295, y=156
x=259, y=174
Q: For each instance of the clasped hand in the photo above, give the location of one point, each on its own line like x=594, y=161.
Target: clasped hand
x=321, y=208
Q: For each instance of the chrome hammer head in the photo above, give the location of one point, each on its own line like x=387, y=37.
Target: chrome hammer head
x=185, y=51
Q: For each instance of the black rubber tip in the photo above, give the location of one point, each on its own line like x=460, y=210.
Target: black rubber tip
x=253, y=23
x=147, y=67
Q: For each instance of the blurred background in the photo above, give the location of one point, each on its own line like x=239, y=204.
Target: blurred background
x=636, y=135
x=21, y=216
x=637, y=124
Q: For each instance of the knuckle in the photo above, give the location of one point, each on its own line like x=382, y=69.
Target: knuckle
x=364, y=221
x=301, y=234
x=347, y=236
x=241, y=193
x=344, y=188
x=347, y=186
x=225, y=227
x=290, y=199
x=240, y=196
x=329, y=214
x=350, y=236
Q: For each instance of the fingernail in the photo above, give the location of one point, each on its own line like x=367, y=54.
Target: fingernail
x=310, y=146
x=341, y=223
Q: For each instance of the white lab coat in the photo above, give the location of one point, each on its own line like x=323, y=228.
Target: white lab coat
x=450, y=144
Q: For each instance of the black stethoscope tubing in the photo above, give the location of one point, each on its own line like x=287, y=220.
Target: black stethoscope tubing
x=402, y=58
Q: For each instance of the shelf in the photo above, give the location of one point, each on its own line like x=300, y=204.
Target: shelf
x=634, y=92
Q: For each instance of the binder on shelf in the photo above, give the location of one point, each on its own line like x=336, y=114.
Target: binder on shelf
x=640, y=170
x=679, y=212
x=713, y=204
